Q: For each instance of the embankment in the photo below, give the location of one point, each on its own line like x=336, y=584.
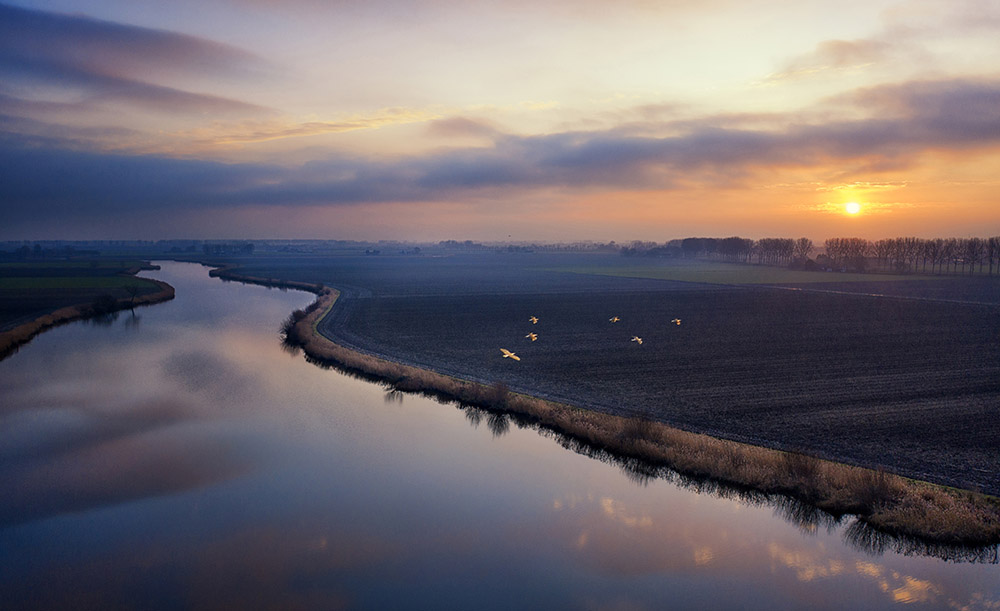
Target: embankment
x=886, y=502
x=14, y=338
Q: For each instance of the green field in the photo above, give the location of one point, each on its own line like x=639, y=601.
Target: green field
x=29, y=289
x=725, y=273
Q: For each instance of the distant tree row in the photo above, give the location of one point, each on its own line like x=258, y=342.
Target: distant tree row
x=898, y=255
x=37, y=252
x=901, y=255
x=237, y=248
x=766, y=251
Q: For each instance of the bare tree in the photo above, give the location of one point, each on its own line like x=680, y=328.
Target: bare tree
x=975, y=250
x=883, y=250
x=993, y=252
x=132, y=291
x=949, y=246
x=802, y=248
x=932, y=252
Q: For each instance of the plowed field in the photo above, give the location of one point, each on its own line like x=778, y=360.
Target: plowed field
x=908, y=384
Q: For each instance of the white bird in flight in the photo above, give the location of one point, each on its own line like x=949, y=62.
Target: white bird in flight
x=507, y=354
x=532, y=336
x=636, y=338
x=614, y=319
x=534, y=320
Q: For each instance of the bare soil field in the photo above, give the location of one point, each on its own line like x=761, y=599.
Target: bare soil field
x=907, y=384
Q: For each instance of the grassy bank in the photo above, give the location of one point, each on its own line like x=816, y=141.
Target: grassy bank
x=885, y=502
x=12, y=339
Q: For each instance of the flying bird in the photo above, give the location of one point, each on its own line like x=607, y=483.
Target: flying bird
x=534, y=320
x=676, y=321
x=614, y=319
x=532, y=336
x=636, y=338
x=507, y=354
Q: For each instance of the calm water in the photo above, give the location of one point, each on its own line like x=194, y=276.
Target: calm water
x=181, y=459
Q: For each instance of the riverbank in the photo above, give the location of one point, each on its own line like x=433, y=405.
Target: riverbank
x=886, y=502
x=13, y=339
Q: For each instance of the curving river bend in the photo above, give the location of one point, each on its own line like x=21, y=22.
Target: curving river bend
x=179, y=458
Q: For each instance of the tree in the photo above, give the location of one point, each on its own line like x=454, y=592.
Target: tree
x=975, y=250
x=993, y=252
x=883, y=250
x=132, y=291
x=949, y=250
x=932, y=252
x=849, y=253
x=802, y=248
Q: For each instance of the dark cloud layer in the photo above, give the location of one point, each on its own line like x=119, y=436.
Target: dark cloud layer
x=99, y=61
x=901, y=123
x=112, y=47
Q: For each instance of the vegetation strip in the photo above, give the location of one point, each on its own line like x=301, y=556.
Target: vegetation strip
x=12, y=339
x=886, y=502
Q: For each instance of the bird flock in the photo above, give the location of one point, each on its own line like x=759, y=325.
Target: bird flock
x=507, y=354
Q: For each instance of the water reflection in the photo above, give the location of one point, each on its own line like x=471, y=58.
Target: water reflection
x=474, y=415
x=498, y=423
x=132, y=321
x=105, y=465
x=104, y=320
x=863, y=537
x=808, y=519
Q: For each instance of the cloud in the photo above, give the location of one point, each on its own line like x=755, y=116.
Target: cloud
x=110, y=47
x=79, y=184
x=889, y=126
x=263, y=131
x=956, y=112
x=905, y=42
x=118, y=469
x=96, y=88
x=834, y=55
x=92, y=63
x=462, y=127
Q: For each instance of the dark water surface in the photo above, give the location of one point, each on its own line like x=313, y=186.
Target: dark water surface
x=181, y=459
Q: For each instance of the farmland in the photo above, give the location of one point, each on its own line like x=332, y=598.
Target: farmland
x=31, y=289
x=723, y=273
x=38, y=295
x=907, y=384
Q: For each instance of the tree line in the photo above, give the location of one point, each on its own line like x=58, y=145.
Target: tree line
x=765, y=251
x=901, y=255
x=897, y=255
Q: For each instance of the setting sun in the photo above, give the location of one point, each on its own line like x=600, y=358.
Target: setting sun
x=852, y=208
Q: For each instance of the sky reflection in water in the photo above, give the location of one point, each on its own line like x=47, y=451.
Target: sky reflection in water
x=185, y=460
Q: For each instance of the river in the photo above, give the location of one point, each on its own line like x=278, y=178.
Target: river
x=179, y=458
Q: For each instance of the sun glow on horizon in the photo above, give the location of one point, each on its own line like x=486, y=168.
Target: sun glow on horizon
x=852, y=208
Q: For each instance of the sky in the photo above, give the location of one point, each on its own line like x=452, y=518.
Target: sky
x=515, y=120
